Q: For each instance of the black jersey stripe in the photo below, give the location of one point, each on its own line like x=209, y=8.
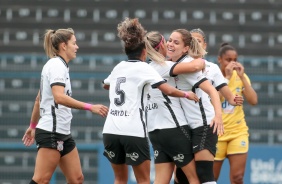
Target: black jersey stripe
x=176, y=121
x=143, y=122
x=53, y=140
x=202, y=110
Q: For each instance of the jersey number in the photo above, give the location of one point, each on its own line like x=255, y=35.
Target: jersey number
x=120, y=101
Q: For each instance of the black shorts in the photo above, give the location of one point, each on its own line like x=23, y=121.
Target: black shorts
x=121, y=149
x=172, y=145
x=61, y=142
x=204, y=138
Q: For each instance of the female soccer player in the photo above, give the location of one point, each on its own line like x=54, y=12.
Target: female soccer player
x=52, y=111
x=203, y=117
x=214, y=75
x=234, y=144
x=168, y=129
x=125, y=131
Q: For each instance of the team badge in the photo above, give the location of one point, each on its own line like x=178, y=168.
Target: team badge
x=60, y=145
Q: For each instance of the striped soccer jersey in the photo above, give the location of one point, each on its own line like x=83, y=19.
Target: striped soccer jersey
x=54, y=117
x=129, y=83
x=199, y=113
x=164, y=111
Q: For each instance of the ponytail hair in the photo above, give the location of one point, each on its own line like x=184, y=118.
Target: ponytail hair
x=195, y=49
x=132, y=33
x=153, y=40
x=53, y=38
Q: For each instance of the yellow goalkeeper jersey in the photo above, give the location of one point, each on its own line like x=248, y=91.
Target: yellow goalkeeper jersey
x=233, y=116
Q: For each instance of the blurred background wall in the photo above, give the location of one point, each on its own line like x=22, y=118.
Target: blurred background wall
x=253, y=27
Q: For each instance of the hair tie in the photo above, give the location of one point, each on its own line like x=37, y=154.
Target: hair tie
x=54, y=31
x=159, y=43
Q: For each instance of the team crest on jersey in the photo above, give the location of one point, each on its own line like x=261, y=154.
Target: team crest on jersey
x=243, y=143
x=60, y=145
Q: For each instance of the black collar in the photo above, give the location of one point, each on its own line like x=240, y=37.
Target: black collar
x=63, y=60
x=134, y=60
x=181, y=58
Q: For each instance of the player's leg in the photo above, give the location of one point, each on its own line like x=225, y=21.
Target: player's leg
x=121, y=173
x=190, y=172
x=138, y=156
x=142, y=172
x=163, y=172
x=164, y=144
x=47, y=157
x=46, y=162
x=221, y=153
x=237, y=168
x=237, y=154
x=115, y=153
x=204, y=147
x=71, y=167
x=217, y=168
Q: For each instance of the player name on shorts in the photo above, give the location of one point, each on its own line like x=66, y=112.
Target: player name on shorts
x=119, y=112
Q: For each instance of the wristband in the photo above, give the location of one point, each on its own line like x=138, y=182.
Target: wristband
x=32, y=125
x=186, y=95
x=87, y=106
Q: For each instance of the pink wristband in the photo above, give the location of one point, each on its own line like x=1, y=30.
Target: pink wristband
x=87, y=106
x=186, y=95
x=33, y=125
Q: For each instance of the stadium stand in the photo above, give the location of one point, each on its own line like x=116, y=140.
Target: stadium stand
x=252, y=26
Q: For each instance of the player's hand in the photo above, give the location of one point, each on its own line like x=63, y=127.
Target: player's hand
x=238, y=100
x=239, y=69
x=192, y=96
x=100, y=109
x=217, y=125
x=229, y=69
x=28, y=138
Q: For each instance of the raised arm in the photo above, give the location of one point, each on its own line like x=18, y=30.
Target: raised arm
x=189, y=67
x=61, y=98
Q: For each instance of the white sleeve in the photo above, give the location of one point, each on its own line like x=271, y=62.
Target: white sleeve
x=153, y=77
x=107, y=80
x=218, y=78
x=57, y=74
x=195, y=79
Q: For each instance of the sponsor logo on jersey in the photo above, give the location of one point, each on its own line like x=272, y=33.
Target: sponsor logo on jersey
x=110, y=154
x=133, y=156
x=178, y=157
x=58, y=79
x=151, y=107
